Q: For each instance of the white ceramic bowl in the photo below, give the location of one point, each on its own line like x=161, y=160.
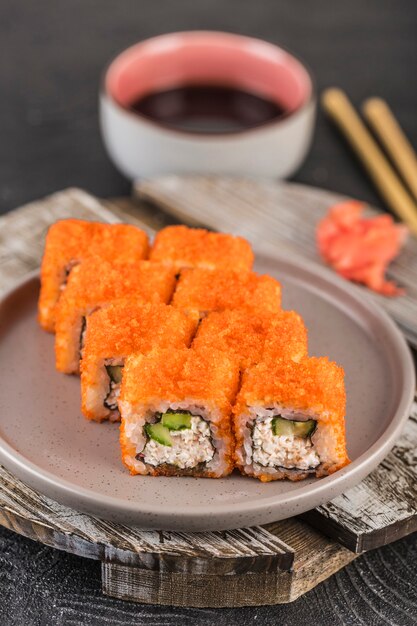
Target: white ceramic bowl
x=140, y=147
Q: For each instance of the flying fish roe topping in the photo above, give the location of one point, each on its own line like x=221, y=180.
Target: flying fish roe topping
x=195, y=247
x=314, y=383
x=209, y=376
x=69, y=242
x=124, y=327
x=217, y=290
x=78, y=239
x=98, y=282
x=249, y=337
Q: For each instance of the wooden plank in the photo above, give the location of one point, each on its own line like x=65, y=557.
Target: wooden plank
x=22, y=232
x=245, y=550
x=136, y=211
x=243, y=567
x=316, y=558
x=383, y=507
x=129, y=583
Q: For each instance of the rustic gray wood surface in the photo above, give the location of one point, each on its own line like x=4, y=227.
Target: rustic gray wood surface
x=269, y=565
x=22, y=232
x=315, y=559
x=242, y=551
x=383, y=507
x=244, y=567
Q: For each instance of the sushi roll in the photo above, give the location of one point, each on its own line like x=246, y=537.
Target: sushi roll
x=114, y=332
x=289, y=420
x=94, y=283
x=250, y=337
x=195, y=247
x=216, y=290
x=176, y=413
x=69, y=242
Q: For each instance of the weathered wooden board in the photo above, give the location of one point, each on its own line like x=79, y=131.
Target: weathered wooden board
x=22, y=232
x=315, y=559
x=383, y=507
x=242, y=551
x=243, y=567
x=265, y=565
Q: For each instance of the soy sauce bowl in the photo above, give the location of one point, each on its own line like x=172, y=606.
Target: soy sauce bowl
x=141, y=147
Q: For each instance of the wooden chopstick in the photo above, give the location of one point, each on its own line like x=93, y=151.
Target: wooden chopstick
x=339, y=108
x=392, y=137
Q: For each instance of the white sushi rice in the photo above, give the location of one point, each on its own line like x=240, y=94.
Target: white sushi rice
x=291, y=452
x=190, y=447
x=271, y=454
x=113, y=396
x=134, y=421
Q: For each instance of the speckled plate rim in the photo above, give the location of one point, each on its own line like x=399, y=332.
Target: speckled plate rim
x=300, y=500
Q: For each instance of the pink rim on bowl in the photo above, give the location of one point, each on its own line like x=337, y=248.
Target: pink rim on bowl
x=209, y=57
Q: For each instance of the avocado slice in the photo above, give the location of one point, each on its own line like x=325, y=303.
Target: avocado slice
x=159, y=433
x=292, y=428
x=115, y=373
x=176, y=421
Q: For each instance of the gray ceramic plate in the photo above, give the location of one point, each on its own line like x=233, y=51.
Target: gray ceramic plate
x=46, y=442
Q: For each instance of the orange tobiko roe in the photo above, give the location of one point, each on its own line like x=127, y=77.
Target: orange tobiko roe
x=251, y=337
x=181, y=247
x=361, y=248
x=72, y=241
x=208, y=290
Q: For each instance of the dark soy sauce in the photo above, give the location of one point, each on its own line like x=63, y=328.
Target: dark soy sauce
x=208, y=109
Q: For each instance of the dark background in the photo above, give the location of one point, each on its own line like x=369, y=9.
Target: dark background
x=53, y=53
x=52, y=56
